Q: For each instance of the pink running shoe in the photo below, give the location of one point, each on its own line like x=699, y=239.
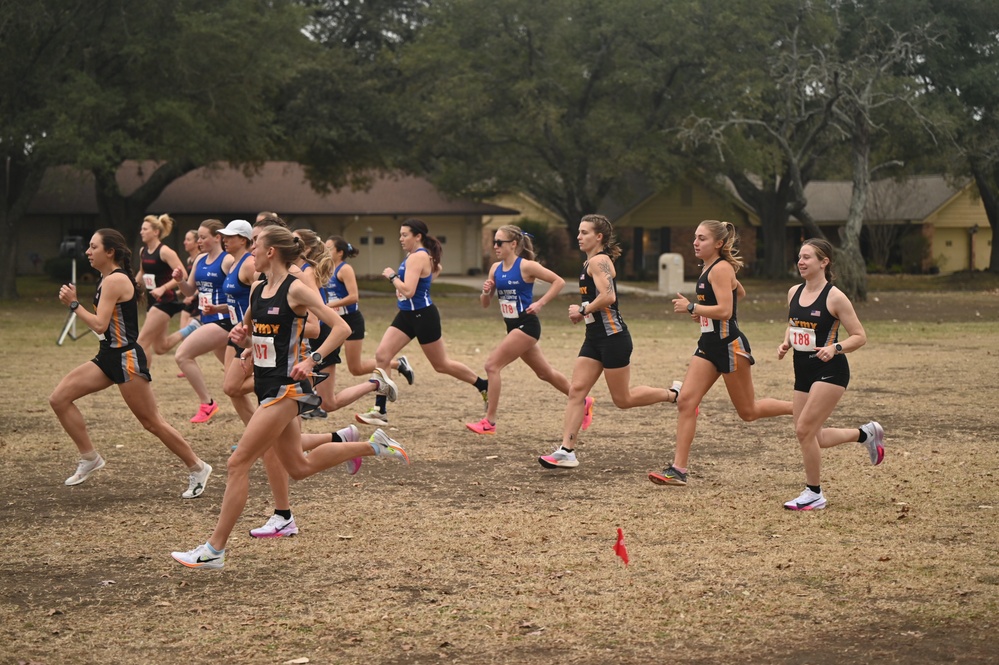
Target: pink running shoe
x=350, y=434
x=587, y=414
x=206, y=412
x=482, y=427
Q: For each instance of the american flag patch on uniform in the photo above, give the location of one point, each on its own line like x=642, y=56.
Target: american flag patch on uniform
x=277, y=310
x=816, y=312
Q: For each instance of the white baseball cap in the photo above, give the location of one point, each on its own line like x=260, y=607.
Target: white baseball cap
x=238, y=227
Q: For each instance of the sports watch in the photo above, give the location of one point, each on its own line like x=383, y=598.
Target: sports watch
x=690, y=307
x=839, y=348
x=316, y=357
x=73, y=305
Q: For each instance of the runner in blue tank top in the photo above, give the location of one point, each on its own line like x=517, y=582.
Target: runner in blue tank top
x=342, y=296
x=120, y=360
x=237, y=237
x=418, y=316
x=607, y=346
x=212, y=336
x=512, y=279
x=273, y=332
x=316, y=268
x=157, y=263
x=722, y=349
x=821, y=372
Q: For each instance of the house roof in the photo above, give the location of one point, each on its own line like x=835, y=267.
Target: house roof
x=281, y=186
x=914, y=198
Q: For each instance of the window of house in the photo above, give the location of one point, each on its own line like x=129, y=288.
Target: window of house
x=379, y=240
x=443, y=239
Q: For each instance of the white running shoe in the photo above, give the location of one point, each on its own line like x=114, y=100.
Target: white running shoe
x=875, y=442
x=406, y=370
x=276, y=527
x=386, y=386
x=372, y=417
x=351, y=435
x=198, y=481
x=560, y=459
x=84, y=468
x=808, y=500
x=200, y=557
x=385, y=446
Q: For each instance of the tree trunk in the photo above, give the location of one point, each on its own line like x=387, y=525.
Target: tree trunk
x=850, y=264
x=987, y=189
x=771, y=203
x=125, y=213
x=18, y=186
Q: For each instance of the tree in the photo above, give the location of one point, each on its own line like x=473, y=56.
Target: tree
x=564, y=100
x=770, y=138
x=963, y=68
x=871, y=70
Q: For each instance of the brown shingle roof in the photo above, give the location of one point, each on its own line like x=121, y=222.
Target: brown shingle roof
x=280, y=186
x=914, y=198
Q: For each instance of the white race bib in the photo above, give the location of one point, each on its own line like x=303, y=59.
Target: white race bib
x=588, y=318
x=342, y=311
x=707, y=325
x=149, y=281
x=204, y=300
x=400, y=297
x=803, y=339
x=263, y=351
x=508, y=308
x=232, y=315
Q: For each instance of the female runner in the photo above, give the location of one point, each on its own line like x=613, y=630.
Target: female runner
x=190, y=302
x=607, y=347
x=157, y=263
x=512, y=280
x=210, y=270
x=342, y=296
x=120, y=361
x=418, y=316
x=821, y=372
x=722, y=349
x=278, y=307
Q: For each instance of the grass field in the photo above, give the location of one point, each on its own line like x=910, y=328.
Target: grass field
x=475, y=554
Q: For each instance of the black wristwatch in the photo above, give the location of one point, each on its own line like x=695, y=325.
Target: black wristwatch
x=582, y=310
x=73, y=305
x=393, y=276
x=316, y=357
x=839, y=348
x=690, y=307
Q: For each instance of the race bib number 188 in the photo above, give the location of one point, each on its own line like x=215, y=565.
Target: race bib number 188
x=803, y=339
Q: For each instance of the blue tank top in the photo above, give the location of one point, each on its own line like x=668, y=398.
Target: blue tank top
x=514, y=293
x=237, y=294
x=337, y=290
x=421, y=299
x=209, y=277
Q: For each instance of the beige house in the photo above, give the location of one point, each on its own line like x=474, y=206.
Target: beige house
x=664, y=222
x=368, y=219
x=927, y=222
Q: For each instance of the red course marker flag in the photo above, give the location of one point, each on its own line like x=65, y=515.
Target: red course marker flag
x=619, y=547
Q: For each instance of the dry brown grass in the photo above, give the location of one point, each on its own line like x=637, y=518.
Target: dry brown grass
x=475, y=554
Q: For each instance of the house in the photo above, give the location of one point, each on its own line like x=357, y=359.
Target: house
x=368, y=219
x=663, y=221
x=920, y=223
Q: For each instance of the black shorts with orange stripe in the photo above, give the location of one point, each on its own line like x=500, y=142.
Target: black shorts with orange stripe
x=725, y=354
x=124, y=364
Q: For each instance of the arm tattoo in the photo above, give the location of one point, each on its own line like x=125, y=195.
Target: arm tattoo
x=605, y=267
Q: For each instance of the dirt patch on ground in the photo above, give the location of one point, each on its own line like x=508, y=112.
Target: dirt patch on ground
x=476, y=554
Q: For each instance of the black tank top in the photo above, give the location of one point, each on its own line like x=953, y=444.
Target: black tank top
x=813, y=326
x=607, y=321
x=277, y=336
x=160, y=270
x=123, y=328
x=715, y=330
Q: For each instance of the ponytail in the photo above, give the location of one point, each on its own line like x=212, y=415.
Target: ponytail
x=430, y=243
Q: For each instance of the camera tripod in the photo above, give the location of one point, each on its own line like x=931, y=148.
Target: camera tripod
x=69, y=328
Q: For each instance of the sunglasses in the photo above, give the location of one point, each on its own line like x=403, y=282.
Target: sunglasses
x=499, y=243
